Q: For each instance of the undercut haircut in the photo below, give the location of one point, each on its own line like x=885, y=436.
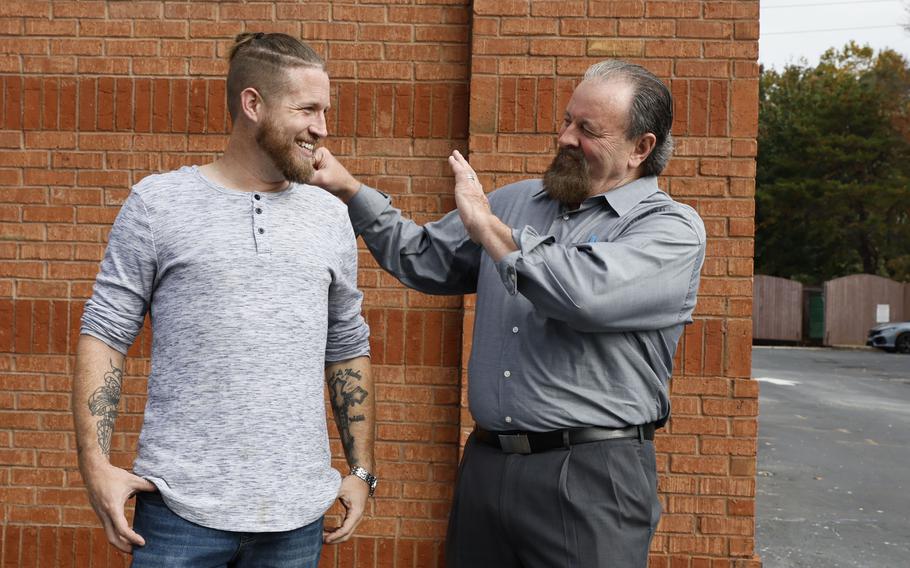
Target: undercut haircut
x=651, y=109
x=259, y=60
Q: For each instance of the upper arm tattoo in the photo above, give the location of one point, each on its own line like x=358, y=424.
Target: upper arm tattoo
x=345, y=393
x=104, y=403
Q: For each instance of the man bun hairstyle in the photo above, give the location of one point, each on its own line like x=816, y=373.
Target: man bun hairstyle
x=651, y=110
x=259, y=60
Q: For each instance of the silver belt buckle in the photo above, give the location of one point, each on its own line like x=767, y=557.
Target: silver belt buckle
x=514, y=443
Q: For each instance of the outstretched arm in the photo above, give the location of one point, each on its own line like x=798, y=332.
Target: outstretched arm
x=435, y=258
x=351, y=395
x=96, y=399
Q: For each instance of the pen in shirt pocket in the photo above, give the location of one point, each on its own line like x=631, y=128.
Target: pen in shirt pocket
x=592, y=239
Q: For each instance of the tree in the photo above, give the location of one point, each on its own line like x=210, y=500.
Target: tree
x=833, y=181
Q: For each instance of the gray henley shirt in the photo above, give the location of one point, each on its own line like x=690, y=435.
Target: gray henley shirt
x=249, y=295
x=576, y=328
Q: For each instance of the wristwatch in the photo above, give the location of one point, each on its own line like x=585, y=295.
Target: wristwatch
x=363, y=474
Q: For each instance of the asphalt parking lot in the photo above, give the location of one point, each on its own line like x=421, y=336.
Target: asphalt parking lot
x=833, y=458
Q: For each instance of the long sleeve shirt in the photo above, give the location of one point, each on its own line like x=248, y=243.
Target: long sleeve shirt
x=249, y=293
x=576, y=328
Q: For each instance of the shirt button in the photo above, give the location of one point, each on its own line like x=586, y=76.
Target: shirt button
x=564, y=217
x=258, y=210
x=515, y=329
x=508, y=419
x=507, y=374
x=256, y=196
x=261, y=230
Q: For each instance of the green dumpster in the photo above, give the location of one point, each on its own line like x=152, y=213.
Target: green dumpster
x=816, y=316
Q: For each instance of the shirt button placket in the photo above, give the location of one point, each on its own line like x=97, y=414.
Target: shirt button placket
x=260, y=228
x=507, y=377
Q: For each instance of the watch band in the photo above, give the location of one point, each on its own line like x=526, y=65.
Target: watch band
x=368, y=477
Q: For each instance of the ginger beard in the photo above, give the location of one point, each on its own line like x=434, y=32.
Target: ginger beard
x=284, y=152
x=568, y=179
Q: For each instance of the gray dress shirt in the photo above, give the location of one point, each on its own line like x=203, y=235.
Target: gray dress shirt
x=576, y=328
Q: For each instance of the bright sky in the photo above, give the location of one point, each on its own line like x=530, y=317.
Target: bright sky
x=789, y=28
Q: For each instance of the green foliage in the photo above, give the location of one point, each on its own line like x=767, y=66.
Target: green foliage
x=833, y=182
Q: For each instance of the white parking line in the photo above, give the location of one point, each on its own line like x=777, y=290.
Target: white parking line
x=773, y=381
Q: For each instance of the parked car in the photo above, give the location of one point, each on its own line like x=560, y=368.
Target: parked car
x=891, y=337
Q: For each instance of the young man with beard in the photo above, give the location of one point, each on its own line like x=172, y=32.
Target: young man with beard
x=250, y=277
x=584, y=281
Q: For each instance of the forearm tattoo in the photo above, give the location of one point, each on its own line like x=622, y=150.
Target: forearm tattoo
x=104, y=403
x=345, y=394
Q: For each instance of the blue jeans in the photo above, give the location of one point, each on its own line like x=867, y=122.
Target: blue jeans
x=177, y=543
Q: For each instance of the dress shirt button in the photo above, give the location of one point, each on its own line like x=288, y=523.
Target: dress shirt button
x=259, y=210
x=565, y=217
x=507, y=374
x=261, y=230
x=256, y=196
x=508, y=419
x=515, y=329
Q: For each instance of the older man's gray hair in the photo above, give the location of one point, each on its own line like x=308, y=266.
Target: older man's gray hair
x=651, y=111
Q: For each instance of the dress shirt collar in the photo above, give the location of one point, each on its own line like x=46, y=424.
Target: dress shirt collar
x=623, y=198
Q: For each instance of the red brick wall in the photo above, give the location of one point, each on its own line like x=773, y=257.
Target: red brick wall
x=98, y=94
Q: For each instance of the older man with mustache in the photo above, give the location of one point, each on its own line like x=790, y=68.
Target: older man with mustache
x=585, y=281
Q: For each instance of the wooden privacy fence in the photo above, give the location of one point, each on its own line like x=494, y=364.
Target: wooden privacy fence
x=852, y=304
x=777, y=309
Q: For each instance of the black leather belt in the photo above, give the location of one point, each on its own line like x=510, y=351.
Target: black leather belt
x=514, y=442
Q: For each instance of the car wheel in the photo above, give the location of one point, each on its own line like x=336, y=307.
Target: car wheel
x=902, y=343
